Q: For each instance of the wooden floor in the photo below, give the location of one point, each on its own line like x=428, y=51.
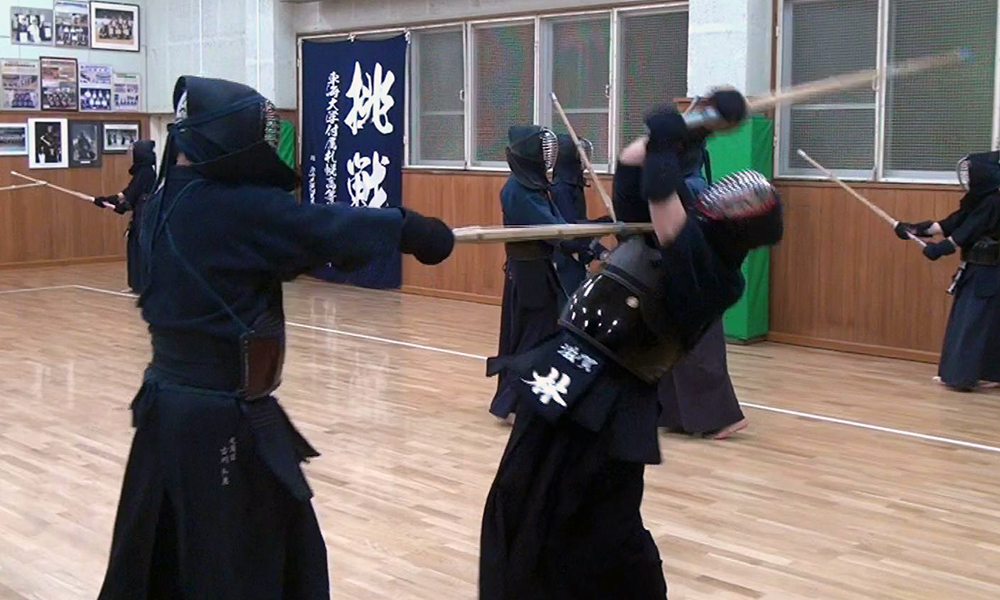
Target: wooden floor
x=390, y=389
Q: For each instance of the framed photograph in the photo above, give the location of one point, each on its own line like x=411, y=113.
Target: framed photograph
x=95, y=88
x=126, y=91
x=31, y=25
x=84, y=144
x=20, y=84
x=114, y=26
x=48, y=146
x=117, y=138
x=59, y=84
x=13, y=139
x=72, y=21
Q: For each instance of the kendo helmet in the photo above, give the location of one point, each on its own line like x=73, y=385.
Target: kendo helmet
x=962, y=170
x=229, y=132
x=531, y=154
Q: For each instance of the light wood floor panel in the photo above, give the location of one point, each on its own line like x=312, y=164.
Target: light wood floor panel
x=794, y=509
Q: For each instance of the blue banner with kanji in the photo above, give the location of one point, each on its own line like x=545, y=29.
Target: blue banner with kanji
x=353, y=98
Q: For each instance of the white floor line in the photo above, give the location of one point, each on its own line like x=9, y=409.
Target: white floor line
x=793, y=413
x=860, y=425
x=38, y=289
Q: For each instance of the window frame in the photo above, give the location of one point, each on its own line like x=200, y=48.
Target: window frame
x=546, y=114
x=411, y=141
x=468, y=26
x=879, y=173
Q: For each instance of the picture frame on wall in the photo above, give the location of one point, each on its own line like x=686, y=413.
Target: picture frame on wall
x=72, y=23
x=21, y=90
x=95, y=88
x=118, y=137
x=127, y=92
x=114, y=26
x=48, y=144
x=84, y=144
x=60, y=87
x=13, y=139
x=31, y=26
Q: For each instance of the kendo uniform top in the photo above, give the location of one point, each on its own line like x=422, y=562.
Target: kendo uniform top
x=214, y=505
x=562, y=519
x=143, y=171
x=568, y=184
x=532, y=292
x=971, y=351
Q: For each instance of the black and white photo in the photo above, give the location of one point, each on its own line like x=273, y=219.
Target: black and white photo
x=119, y=137
x=31, y=25
x=59, y=84
x=84, y=144
x=13, y=139
x=114, y=26
x=72, y=21
x=48, y=146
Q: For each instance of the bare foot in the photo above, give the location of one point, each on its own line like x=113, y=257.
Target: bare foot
x=510, y=419
x=729, y=430
x=988, y=385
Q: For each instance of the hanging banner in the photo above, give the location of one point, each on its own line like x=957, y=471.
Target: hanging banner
x=352, y=135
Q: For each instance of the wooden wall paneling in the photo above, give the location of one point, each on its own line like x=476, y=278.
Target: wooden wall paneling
x=841, y=279
x=43, y=226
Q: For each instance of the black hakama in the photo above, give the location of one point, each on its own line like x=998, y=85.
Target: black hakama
x=697, y=394
x=971, y=350
x=214, y=504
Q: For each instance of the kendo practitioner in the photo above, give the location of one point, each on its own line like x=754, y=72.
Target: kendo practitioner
x=532, y=292
x=562, y=519
x=132, y=198
x=971, y=354
x=697, y=394
x=569, y=182
x=214, y=503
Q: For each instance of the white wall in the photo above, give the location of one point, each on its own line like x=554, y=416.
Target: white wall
x=248, y=41
x=123, y=62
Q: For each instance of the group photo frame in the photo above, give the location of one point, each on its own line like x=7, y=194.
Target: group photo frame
x=118, y=136
x=114, y=26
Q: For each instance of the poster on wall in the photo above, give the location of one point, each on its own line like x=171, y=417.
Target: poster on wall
x=31, y=25
x=114, y=26
x=84, y=143
x=47, y=144
x=95, y=88
x=117, y=138
x=352, y=135
x=13, y=139
x=20, y=84
x=127, y=90
x=59, y=84
x=72, y=21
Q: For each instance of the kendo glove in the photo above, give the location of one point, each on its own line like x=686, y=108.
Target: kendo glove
x=942, y=248
x=102, y=201
x=429, y=240
x=732, y=106
x=661, y=172
x=918, y=229
x=122, y=206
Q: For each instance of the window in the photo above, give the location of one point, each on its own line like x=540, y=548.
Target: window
x=821, y=39
x=437, y=97
x=935, y=118
x=913, y=127
x=652, y=66
x=469, y=82
x=504, y=75
x=576, y=64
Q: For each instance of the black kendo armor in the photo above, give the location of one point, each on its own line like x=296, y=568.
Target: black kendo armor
x=531, y=153
x=977, y=174
x=620, y=311
x=229, y=132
